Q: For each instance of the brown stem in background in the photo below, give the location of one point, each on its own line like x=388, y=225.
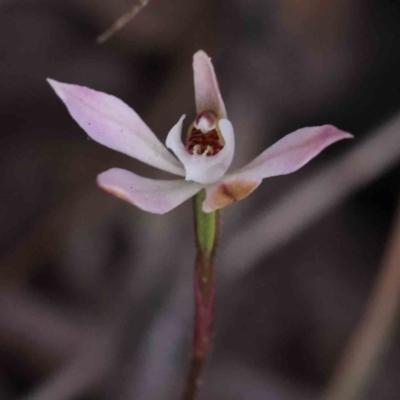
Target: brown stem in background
x=122, y=21
x=374, y=333
x=206, y=229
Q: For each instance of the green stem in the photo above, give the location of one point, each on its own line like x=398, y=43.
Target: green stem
x=206, y=231
x=206, y=226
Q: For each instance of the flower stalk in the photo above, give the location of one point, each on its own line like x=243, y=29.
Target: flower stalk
x=206, y=232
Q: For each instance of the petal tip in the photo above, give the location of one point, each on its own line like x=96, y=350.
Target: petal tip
x=347, y=135
x=207, y=92
x=60, y=88
x=101, y=178
x=51, y=82
x=201, y=54
x=338, y=132
x=104, y=181
x=57, y=86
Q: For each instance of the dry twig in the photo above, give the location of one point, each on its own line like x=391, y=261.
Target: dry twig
x=122, y=21
x=374, y=332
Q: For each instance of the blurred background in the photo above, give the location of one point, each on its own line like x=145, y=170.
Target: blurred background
x=96, y=295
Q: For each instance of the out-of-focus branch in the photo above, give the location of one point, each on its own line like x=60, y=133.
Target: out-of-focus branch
x=86, y=369
x=37, y=330
x=311, y=199
x=374, y=332
x=122, y=21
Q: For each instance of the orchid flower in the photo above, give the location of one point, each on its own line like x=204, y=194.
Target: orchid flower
x=202, y=161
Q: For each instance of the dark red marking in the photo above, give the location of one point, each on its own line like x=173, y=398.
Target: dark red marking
x=202, y=141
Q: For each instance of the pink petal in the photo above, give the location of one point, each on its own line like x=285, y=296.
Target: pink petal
x=228, y=191
x=150, y=195
x=200, y=168
x=111, y=122
x=292, y=152
x=206, y=88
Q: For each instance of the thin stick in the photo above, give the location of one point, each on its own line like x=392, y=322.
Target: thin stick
x=374, y=332
x=122, y=21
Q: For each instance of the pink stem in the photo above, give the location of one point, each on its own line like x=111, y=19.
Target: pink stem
x=202, y=334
